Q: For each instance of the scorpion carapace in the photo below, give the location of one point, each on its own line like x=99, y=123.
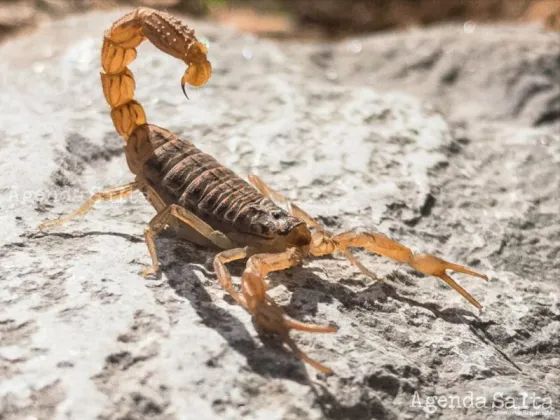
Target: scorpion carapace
x=213, y=205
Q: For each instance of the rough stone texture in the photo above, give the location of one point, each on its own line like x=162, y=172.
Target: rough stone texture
x=444, y=140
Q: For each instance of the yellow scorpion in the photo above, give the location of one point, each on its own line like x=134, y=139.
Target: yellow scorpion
x=214, y=206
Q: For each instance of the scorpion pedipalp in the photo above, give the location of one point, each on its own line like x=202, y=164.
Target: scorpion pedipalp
x=427, y=264
x=325, y=243
x=267, y=314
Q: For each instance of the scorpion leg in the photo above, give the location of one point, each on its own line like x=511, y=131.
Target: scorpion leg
x=296, y=211
x=223, y=274
x=108, y=195
x=293, y=209
x=253, y=298
x=380, y=244
x=161, y=219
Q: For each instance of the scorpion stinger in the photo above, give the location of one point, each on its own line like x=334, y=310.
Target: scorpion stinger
x=184, y=91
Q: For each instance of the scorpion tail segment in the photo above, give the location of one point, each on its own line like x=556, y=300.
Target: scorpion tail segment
x=166, y=32
x=172, y=37
x=127, y=31
x=115, y=57
x=197, y=74
x=199, y=68
x=119, y=49
x=118, y=88
x=127, y=117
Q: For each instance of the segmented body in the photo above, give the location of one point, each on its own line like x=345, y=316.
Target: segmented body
x=182, y=174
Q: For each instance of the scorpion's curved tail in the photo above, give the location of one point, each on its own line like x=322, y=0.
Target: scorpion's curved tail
x=119, y=50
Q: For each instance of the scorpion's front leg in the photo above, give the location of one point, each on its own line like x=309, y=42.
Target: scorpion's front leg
x=161, y=219
x=108, y=195
x=380, y=244
x=296, y=211
x=254, y=299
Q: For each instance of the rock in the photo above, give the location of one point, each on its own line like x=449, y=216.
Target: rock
x=15, y=14
x=444, y=140
x=193, y=7
x=18, y=15
x=354, y=16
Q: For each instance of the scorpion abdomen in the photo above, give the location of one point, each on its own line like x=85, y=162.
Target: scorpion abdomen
x=182, y=174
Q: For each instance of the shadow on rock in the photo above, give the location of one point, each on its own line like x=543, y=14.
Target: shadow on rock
x=362, y=409
x=270, y=360
x=309, y=290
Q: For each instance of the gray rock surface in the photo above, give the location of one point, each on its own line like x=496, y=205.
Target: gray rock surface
x=445, y=140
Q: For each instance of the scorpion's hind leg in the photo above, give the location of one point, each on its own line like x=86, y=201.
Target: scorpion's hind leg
x=380, y=244
x=108, y=195
x=161, y=219
x=294, y=210
x=253, y=296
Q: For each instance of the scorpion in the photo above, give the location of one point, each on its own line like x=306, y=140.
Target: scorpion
x=213, y=206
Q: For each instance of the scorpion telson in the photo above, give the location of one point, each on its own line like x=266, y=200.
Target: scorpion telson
x=214, y=206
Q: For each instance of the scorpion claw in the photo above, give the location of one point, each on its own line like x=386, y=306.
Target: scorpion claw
x=434, y=266
x=271, y=318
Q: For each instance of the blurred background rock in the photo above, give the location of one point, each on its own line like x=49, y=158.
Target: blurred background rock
x=301, y=18
x=336, y=16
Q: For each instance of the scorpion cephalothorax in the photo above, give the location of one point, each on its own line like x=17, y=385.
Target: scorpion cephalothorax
x=215, y=206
